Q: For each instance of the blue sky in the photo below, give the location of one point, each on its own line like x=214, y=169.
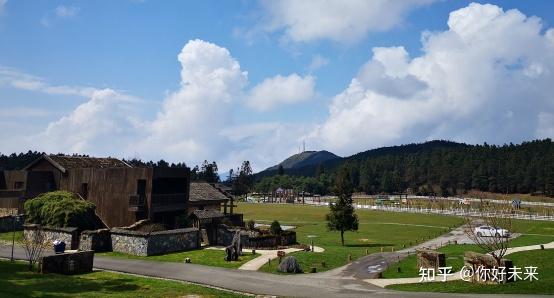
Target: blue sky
x=298, y=76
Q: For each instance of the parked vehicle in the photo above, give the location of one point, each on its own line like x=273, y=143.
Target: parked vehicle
x=487, y=231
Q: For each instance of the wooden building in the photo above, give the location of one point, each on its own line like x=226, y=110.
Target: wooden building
x=122, y=194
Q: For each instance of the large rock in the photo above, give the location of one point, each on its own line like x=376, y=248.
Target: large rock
x=289, y=265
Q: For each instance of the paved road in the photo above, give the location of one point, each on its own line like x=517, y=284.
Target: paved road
x=340, y=282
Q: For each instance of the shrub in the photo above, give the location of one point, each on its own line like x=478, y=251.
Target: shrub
x=275, y=228
x=250, y=224
x=61, y=209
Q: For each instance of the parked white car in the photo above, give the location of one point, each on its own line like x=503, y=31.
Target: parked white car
x=487, y=231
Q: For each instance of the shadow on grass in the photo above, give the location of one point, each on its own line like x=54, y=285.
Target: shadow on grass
x=17, y=281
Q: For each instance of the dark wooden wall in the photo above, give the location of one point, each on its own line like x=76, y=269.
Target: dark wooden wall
x=109, y=190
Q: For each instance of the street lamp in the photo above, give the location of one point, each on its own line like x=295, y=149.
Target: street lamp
x=15, y=219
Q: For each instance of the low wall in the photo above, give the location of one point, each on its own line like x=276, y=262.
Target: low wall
x=147, y=244
x=252, y=239
x=96, y=240
x=68, y=235
x=7, y=223
x=475, y=261
x=68, y=263
x=226, y=234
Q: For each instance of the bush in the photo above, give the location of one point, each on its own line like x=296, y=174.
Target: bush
x=250, y=224
x=61, y=209
x=275, y=228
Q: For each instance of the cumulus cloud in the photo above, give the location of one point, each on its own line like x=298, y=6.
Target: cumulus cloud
x=486, y=78
x=101, y=125
x=280, y=90
x=189, y=124
x=336, y=20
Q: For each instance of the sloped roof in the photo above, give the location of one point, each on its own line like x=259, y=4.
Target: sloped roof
x=202, y=191
x=64, y=163
x=207, y=214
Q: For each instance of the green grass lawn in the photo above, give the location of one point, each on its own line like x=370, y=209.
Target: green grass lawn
x=539, y=258
x=209, y=257
x=377, y=229
x=455, y=253
x=7, y=236
x=17, y=281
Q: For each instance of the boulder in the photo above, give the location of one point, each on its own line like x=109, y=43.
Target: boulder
x=289, y=265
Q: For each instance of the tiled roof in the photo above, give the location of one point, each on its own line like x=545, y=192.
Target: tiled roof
x=202, y=191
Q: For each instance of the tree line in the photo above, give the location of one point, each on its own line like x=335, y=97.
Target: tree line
x=437, y=167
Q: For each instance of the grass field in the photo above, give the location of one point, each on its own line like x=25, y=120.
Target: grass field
x=17, y=281
x=208, y=257
x=7, y=236
x=376, y=230
x=541, y=230
x=540, y=258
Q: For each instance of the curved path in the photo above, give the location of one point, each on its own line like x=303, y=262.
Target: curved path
x=339, y=282
x=456, y=275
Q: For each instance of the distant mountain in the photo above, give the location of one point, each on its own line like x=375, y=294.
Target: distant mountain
x=301, y=160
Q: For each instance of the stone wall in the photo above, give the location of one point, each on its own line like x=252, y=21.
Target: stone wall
x=68, y=263
x=253, y=239
x=225, y=235
x=476, y=261
x=7, y=223
x=430, y=259
x=97, y=240
x=147, y=244
x=68, y=235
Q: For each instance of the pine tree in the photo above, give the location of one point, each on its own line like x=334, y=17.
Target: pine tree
x=341, y=216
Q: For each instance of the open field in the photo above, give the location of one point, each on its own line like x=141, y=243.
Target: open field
x=17, y=281
x=377, y=230
x=208, y=257
x=455, y=256
x=540, y=258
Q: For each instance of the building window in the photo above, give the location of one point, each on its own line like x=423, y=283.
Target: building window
x=18, y=185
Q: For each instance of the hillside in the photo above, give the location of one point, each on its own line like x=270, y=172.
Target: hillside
x=301, y=160
x=436, y=167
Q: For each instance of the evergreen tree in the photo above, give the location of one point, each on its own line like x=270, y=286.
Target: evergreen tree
x=341, y=216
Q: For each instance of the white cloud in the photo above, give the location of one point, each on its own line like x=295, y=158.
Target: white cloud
x=189, y=124
x=487, y=78
x=103, y=125
x=280, y=90
x=2, y=6
x=66, y=11
x=341, y=21
x=17, y=79
x=317, y=62
x=60, y=12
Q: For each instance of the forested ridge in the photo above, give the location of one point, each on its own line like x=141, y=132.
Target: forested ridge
x=441, y=167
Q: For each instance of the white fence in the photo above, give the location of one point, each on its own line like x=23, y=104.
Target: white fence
x=453, y=212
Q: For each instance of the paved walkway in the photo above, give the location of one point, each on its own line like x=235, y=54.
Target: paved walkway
x=382, y=282
x=266, y=255
x=337, y=283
